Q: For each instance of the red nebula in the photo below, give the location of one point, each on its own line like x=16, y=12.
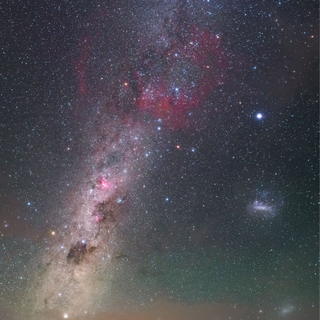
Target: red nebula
x=98, y=218
x=201, y=54
x=170, y=81
x=105, y=184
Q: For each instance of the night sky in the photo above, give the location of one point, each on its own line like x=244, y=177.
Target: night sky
x=159, y=160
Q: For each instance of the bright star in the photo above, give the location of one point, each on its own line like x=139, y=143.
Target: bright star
x=259, y=116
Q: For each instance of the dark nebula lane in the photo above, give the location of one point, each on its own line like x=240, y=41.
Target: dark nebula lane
x=158, y=160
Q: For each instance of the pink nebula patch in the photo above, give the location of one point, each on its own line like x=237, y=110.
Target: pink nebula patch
x=202, y=55
x=105, y=184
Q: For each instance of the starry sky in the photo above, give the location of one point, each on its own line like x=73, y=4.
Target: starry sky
x=159, y=160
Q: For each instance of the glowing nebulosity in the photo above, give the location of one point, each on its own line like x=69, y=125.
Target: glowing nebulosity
x=166, y=82
x=168, y=79
x=261, y=208
x=105, y=184
x=266, y=205
x=147, y=150
x=84, y=249
x=287, y=310
x=189, y=70
x=169, y=83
